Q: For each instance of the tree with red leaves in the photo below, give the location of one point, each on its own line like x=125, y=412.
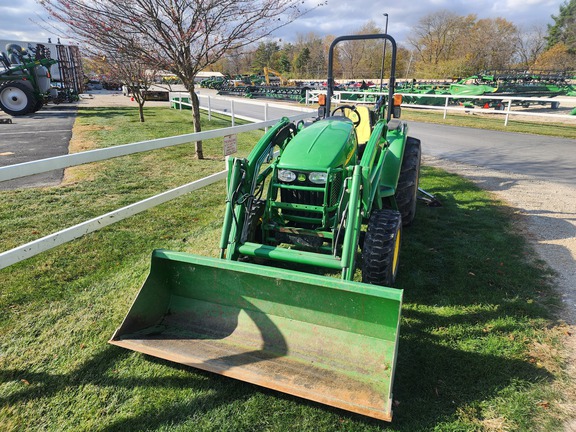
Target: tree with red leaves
x=180, y=36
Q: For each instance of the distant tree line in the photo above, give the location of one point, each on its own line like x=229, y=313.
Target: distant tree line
x=441, y=45
x=131, y=37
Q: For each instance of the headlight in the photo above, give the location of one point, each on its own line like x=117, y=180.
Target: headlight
x=286, y=176
x=318, y=177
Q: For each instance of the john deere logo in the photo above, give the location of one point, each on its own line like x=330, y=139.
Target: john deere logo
x=301, y=177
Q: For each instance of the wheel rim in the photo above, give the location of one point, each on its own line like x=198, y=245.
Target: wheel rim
x=396, y=254
x=13, y=98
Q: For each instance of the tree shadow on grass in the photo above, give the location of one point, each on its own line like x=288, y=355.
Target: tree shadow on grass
x=461, y=256
x=471, y=289
x=435, y=378
x=212, y=391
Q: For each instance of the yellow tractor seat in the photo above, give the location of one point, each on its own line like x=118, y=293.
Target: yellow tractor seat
x=364, y=129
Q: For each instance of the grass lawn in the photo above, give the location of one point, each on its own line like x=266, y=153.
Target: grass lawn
x=479, y=346
x=492, y=122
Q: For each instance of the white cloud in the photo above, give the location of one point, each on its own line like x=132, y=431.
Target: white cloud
x=344, y=17
x=339, y=17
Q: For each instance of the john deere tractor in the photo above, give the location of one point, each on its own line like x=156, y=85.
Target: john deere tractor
x=334, y=194
x=24, y=79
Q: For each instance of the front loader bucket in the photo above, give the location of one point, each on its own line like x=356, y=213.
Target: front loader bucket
x=316, y=337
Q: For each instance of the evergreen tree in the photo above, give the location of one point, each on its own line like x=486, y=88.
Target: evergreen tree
x=564, y=28
x=302, y=60
x=264, y=55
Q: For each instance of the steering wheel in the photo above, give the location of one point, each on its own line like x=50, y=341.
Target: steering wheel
x=351, y=108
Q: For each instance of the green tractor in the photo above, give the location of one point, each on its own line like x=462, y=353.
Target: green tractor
x=332, y=194
x=25, y=83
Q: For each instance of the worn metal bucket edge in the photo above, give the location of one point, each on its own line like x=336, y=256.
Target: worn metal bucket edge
x=312, y=336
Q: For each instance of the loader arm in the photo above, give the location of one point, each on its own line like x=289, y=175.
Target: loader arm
x=372, y=164
x=243, y=175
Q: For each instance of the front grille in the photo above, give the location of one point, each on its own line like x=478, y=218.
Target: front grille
x=291, y=196
x=301, y=197
x=335, y=187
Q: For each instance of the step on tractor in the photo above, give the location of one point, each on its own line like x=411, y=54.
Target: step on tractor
x=25, y=83
x=284, y=306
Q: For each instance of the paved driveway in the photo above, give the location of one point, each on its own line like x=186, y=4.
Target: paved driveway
x=542, y=157
x=43, y=134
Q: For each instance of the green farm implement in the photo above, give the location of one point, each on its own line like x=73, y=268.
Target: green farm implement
x=283, y=306
x=516, y=84
x=24, y=79
x=511, y=83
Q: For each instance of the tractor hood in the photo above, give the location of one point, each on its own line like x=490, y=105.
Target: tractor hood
x=324, y=144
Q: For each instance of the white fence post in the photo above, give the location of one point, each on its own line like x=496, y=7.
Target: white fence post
x=446, y=107
x=507, y=112
x=209, y=109
x=266, y=116
x=232, y=110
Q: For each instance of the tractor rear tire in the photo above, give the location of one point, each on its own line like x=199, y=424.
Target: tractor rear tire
x=16, y=98
x=39, y=104
x=381, y=249
x=407, y=189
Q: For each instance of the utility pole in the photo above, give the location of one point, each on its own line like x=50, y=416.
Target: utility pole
x=383, y=53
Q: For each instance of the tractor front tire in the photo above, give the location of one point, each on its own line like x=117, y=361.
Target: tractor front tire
x=381, y=249
x=407, y=189
x=254, y=221
x=16, y=98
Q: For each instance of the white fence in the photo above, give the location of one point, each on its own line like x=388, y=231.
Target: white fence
x=48, y=242
x=228, y=106
x=342, y=97
x=35, y=247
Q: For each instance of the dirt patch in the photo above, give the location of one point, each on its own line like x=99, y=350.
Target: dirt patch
x=80, y=143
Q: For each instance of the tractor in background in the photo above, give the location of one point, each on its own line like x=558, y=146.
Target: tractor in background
x=25, y=84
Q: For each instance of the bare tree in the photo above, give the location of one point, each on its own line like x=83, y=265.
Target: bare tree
x=136, y=74
x=181, y=36
x=123, y=66
x=309, y=55
x=448, y=45
x=492, y=45
x=358, y=58
x=531, y=44
x=437, y=36
x=237, y=61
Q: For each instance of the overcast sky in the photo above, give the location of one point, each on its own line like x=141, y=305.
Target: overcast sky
x=339, y=17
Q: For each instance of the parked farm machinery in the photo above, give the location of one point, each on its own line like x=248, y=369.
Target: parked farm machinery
x=297, y=94
x=510, y=83
x=281, y=307
x=270, y=85
x=25, y=83
x=517, y=84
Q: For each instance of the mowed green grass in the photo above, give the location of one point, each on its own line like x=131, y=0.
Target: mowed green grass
x=479, y=346
x=565, y=129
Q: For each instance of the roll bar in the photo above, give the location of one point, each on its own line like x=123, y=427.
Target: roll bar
x=391, y=82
